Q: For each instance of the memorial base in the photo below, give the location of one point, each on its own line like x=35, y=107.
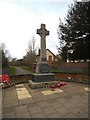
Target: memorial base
x=35, y=85
x=42, y=80
x=43, y=77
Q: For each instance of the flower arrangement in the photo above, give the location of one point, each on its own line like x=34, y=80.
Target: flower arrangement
x=58, y=85
x=5, y=81
x=5, y=78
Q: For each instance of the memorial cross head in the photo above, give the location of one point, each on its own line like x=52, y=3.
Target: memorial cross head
x=42, y=31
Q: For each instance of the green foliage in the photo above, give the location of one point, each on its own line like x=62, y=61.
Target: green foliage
x=4, y=60
x=3, y=51
x=74, y=34
x=12, y=70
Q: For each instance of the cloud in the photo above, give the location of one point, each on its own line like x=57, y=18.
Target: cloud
x=17, y=25
x=16, y=28
x=36, y=1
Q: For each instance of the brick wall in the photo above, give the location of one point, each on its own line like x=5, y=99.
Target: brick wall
x=79, y=67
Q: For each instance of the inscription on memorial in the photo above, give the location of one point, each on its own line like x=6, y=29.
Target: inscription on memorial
x=44, y=68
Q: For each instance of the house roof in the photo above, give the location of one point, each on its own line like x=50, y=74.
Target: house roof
x=49, y=51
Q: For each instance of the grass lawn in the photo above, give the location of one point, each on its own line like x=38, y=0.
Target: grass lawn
x=12, y=70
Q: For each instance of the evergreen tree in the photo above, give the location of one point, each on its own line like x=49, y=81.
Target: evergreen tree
x=74, y=34
x=3, y=52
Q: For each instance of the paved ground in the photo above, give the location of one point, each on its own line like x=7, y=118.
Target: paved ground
x=0, y=102
x=21, y=101
x=20, y=71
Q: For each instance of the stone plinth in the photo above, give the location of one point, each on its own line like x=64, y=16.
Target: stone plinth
x=35, y=85
x=43, y=77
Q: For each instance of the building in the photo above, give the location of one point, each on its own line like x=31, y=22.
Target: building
x=50, y=57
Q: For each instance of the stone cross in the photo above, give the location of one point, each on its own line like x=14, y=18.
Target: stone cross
x=43, y=33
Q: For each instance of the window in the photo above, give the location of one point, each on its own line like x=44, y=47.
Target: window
x=50, y=57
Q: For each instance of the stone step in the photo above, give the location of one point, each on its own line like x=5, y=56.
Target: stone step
x=41, y=84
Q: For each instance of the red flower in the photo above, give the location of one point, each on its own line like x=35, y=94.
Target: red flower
x=58, y=85
x=5, y=78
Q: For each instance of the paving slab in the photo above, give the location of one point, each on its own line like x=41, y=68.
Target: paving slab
x=84, y=115
x=56, y=105
x=48, y=110
x=69, y=105
x=62, y=111
x=47, y=92
x=37, y=95
x=62, y=100
x=54, y=115
x=22, y=112
x=54, y=96
x=57, y=91
x=45, y=103
x=8, y=110
x=40, y=99
x=34, y=110
x=77, y=97
x=38, y=115
x=80, y=104
x=10, y=94
x=9, y=115
x=69, y=115
x=26, y=100
x=33, y=104
x=77, y=111
x=22, y=92
x=19, y=85
x=21, y=89
x=24, y=96
x=10, y=102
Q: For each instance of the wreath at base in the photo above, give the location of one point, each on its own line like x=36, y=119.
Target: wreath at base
x=6, y=85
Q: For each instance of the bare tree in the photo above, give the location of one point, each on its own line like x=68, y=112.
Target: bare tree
x=13, y=62
x=31, y=52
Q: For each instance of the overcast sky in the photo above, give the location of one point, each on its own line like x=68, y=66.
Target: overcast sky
x=19, y=20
